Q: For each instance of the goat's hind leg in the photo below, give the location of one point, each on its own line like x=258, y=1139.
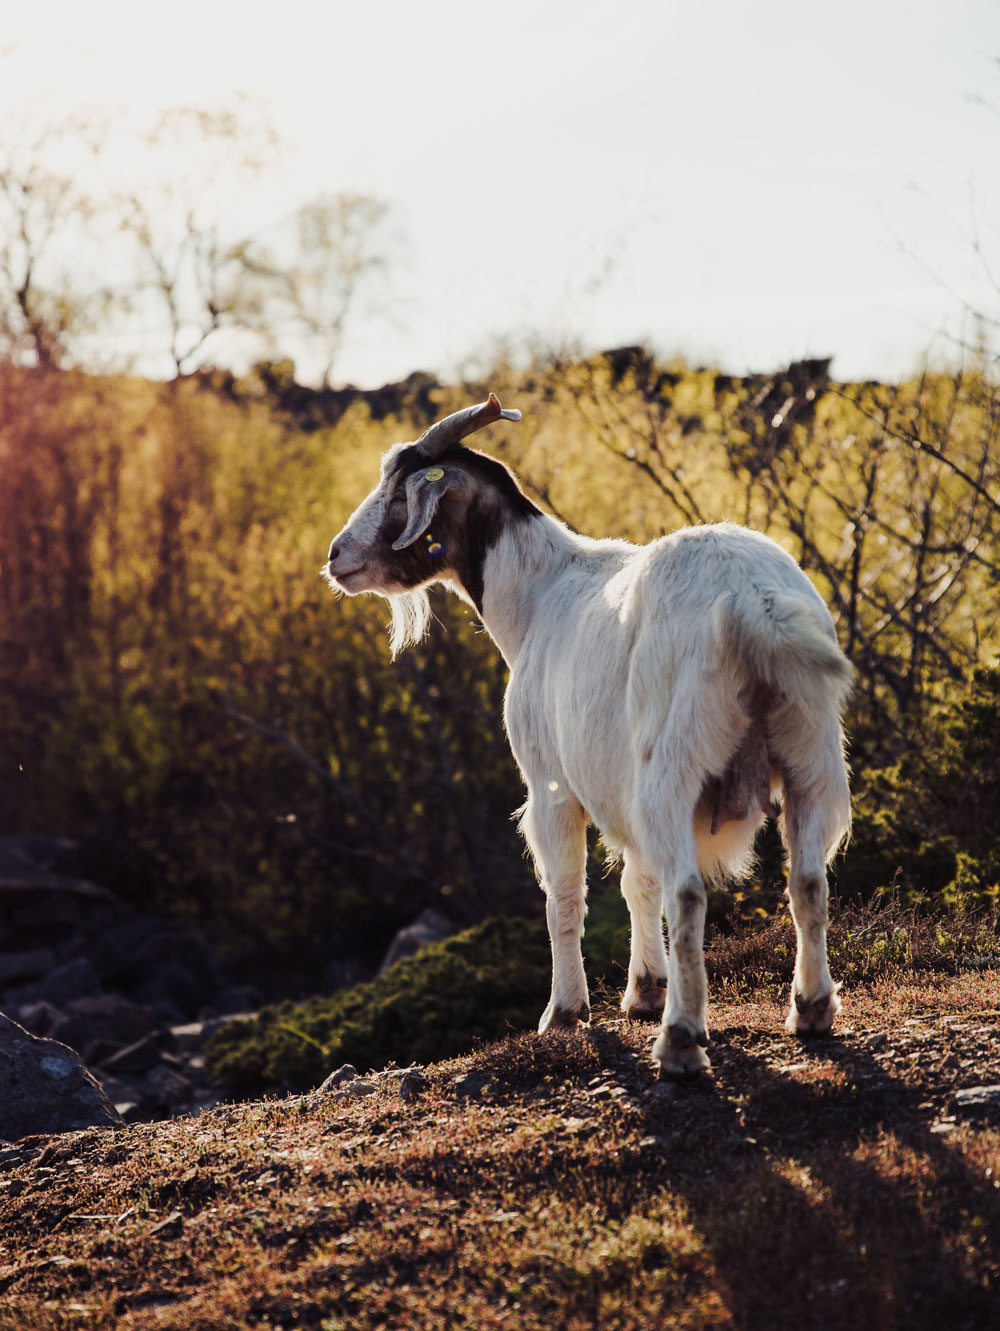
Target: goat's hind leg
x=683, y=1038
x=697, y=739
x=646, y=991
x=669, y=834
x=815, y=1001
x=556, y=835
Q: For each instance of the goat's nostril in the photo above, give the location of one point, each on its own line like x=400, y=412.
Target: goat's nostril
x=334, y=552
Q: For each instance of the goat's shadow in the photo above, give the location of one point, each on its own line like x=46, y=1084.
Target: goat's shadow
x=807, y=1229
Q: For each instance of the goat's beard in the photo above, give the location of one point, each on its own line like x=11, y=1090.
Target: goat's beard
x=411, y=617
x=411, y=611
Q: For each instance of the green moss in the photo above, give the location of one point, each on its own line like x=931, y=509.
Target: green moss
x=474, y=987
x=437, y=1004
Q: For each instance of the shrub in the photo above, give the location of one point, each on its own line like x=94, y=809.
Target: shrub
x=931, y=823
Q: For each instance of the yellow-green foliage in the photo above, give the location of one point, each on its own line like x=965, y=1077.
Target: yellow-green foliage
x=179, y=689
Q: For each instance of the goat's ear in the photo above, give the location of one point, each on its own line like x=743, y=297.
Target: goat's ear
x=424, y=492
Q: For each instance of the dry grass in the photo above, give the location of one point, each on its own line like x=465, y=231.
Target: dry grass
x=830, y=1184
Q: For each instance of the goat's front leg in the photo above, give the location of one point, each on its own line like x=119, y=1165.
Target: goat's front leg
x=555, y=830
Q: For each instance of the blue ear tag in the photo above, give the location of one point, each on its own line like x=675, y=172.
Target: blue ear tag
x=434, y=474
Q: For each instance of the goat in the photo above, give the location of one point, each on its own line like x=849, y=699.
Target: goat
x=674, y=694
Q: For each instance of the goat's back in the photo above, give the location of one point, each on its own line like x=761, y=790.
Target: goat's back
x=661, y=650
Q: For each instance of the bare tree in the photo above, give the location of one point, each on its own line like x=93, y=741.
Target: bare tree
x=183, y=222
x=313, y=269
x=42, y=209
x=210, y=282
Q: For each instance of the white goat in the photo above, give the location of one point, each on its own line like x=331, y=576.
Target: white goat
x=670, y=693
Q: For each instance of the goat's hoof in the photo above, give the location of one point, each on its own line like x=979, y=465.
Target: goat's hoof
x=812, y=1016
x=559, y=1018
x=679, y=1052
x=644, y=1002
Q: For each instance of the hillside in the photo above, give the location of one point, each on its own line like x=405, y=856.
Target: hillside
x=552, y=1182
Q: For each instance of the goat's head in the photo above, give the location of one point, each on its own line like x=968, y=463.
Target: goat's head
x=435, y=512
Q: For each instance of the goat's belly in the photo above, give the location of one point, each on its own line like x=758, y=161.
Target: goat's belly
x=728, y=854
x=746, y=787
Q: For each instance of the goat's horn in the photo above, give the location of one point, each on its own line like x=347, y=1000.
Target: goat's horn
x=433, y=442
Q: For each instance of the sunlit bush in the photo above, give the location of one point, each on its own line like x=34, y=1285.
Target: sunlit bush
x=180, y=692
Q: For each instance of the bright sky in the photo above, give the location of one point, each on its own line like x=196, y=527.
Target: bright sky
x=741, y=183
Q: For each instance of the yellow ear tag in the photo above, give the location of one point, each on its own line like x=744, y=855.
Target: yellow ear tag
x=434, y=474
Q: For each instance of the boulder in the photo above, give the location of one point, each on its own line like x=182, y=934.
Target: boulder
x=73, y=980
x=46, y=1087
x=96, y=1026
x=347, y=1072
x=430, y=926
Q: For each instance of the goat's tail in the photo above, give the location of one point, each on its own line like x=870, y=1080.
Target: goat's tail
x=780, y=640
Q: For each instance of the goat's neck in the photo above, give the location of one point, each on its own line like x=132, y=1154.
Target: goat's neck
x=519, y=566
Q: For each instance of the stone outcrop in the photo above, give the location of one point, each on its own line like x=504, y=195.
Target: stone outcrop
x=46, y=1088
x=80, y=966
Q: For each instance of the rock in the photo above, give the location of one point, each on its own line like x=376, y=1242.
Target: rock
x=10, y=1158
x=189, y=1038
x=39, y=1018
x=170, y=1226
x=469, y=1085
x=351, y=1090
x=182, y=969
x=49, y=903
x=412, y=1084
x=430, y=926
x=75, y=979
x=178, y=990
x=168, y=1089
x=878, y=1042
x=46, y=1087
x=98, y=1025
x=343, y=1074
x=342, y=1085
x=977, y=1097
x=18, y=966
x=140, y=1056
x=112, y=948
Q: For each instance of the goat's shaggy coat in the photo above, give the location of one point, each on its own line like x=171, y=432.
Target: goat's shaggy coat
x=674, y=694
